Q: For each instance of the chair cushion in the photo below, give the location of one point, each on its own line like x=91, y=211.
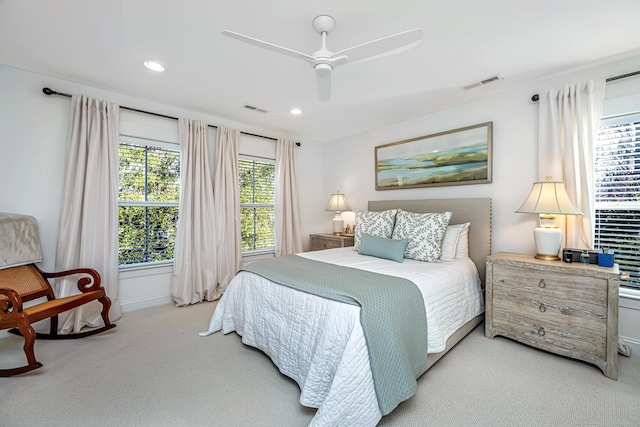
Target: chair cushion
x=19, y=241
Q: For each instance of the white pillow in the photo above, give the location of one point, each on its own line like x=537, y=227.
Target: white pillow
x=424, y=232
x=462, y=249
x=378, y=224
x=456, y=242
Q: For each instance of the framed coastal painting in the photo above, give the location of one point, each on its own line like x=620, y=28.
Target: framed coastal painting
x=455, y=157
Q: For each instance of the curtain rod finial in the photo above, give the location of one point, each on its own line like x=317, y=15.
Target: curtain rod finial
x=48, y=91
x=535, y=98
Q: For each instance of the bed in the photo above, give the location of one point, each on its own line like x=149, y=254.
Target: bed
x=322, y=344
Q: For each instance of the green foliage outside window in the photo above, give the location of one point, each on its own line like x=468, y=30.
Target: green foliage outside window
x=257, y=204
x=149, y=192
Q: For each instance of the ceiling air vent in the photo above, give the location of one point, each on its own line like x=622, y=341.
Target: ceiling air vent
x=258, y=109
x=484, y=81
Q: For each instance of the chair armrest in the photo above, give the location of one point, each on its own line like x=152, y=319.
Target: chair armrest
x=85, y=284
x=11, y=304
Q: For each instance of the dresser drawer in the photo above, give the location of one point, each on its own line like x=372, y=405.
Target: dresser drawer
x=551, y=307
x=591, y=290
x=575, y=342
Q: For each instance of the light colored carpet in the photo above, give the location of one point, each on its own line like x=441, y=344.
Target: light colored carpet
x=154, y=370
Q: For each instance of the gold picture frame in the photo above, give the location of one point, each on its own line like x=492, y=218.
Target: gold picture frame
x=455, y=157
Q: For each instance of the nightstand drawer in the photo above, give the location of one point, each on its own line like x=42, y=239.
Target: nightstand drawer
x=318, y=244
x=329, y=241
x=584, y=288
x=573, y=342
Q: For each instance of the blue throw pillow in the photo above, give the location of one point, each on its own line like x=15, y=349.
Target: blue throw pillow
x=380, y=247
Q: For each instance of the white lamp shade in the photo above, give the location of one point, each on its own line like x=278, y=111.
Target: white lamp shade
x=338, y=203
x=549, y=197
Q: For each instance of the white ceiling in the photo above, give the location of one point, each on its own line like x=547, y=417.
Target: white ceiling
x=102, y=43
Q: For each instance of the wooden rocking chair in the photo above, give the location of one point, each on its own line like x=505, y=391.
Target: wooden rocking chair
x=26, y=283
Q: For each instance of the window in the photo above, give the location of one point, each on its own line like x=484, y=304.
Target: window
x=617, y=193
x=257, y=203
x=148, y=199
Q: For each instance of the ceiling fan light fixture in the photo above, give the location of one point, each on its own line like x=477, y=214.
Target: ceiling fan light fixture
x=154, y=65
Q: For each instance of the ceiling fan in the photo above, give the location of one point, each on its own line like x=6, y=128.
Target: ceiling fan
x=324, y=61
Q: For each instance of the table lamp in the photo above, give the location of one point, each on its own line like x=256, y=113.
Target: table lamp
x=548, y=199
x=337, y=204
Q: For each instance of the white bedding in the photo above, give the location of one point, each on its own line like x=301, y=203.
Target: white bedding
x=320, y=343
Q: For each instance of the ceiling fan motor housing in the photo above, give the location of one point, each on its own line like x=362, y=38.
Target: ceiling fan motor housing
x=323, y=70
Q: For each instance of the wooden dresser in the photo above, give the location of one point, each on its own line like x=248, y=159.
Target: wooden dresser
x=565, y=308
x=329, y=241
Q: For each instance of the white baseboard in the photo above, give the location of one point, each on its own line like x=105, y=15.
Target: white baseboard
x=145, y=303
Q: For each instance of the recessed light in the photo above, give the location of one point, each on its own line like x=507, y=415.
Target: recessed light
x=295, y=111
x=154, y=65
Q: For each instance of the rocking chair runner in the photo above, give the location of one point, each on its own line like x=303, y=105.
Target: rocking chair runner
x=27, y=283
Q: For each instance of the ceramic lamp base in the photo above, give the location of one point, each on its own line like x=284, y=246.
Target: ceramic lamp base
x=548, y=242
x=338, y=225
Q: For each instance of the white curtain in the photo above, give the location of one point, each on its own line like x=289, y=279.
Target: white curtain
x=88, y=226
x=287, y=214
x=194, y=273
x=226, y=194
x=568, y=127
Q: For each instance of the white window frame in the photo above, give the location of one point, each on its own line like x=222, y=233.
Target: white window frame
x=256, y=252
x=151, y=143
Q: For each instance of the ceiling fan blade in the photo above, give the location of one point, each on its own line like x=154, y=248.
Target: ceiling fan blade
x=323, y=86
x=385, y=46
x=269, y=46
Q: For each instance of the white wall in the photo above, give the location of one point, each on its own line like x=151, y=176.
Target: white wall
x=349, y=164
x=33, y=139
x=33, y=135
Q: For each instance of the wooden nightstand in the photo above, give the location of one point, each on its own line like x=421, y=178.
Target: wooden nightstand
x=329, y=241
x=565, y=308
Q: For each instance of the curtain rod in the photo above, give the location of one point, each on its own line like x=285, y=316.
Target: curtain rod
x=535, y=97
x=48, y=91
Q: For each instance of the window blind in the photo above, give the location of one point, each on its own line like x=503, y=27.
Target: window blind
x=617, y=193
x=257, y=203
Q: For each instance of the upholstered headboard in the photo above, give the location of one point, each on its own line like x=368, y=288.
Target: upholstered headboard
x=476, y=211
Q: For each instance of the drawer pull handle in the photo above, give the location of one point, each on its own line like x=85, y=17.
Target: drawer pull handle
x=542, y=284
x=541, y=332
x=542, y=308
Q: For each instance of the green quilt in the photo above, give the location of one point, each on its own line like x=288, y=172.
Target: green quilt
x=392, y=315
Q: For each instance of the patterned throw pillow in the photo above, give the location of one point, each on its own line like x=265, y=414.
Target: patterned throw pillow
x=424, y=232
x=379, y=224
